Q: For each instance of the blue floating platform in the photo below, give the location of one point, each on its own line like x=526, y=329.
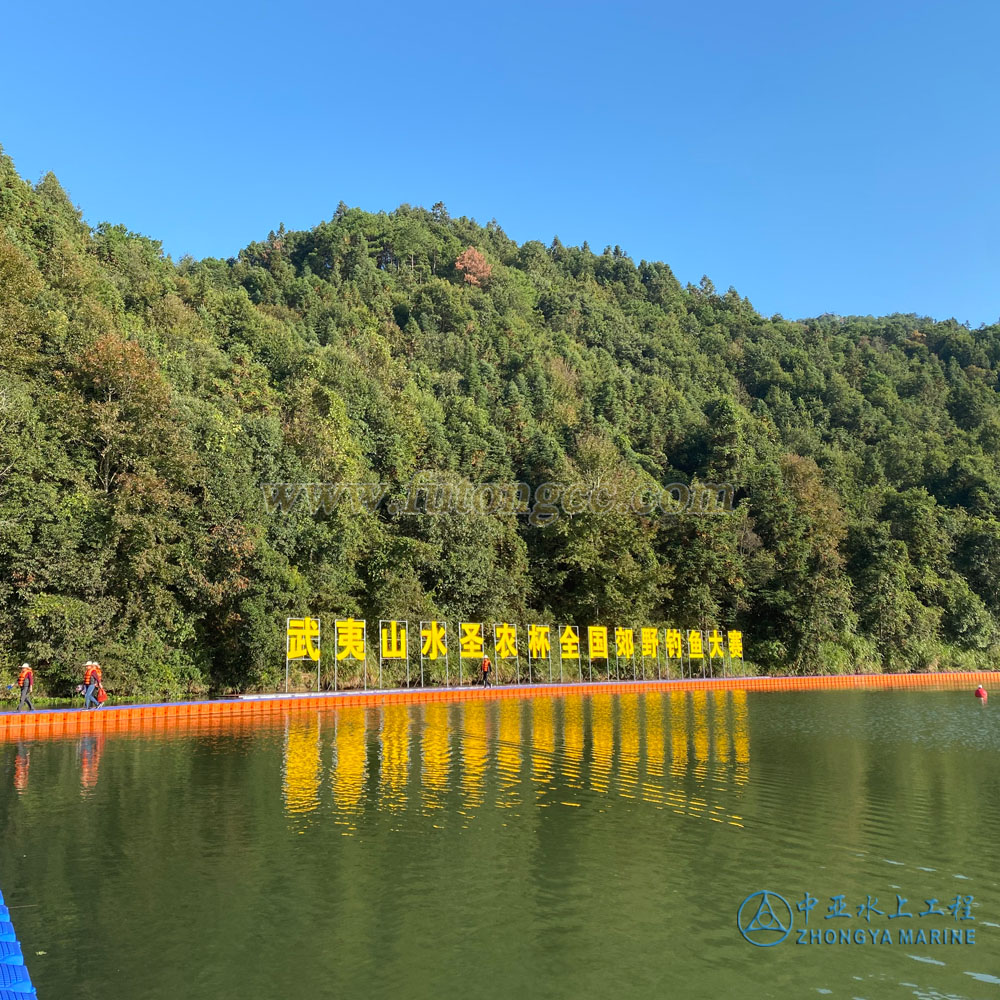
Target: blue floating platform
x=15, y=983
x=15, y=979
x=10, y=953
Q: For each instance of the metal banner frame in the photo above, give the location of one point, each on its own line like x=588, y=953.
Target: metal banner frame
x=729, y=651
x=575, y=629
x=444, y=626
x=337, y=657
x=548, y=638
x=590, y=652
x=721, y=656
x=643, y=655
x=405, y=642
x=319, y=647
x=394, y=641
x=462, y=655
x=517, y=649
x=666, y=654
x=700, y=659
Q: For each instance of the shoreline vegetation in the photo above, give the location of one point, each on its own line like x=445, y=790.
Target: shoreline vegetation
x=147, y=404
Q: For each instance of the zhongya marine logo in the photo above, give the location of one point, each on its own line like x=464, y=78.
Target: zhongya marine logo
x=764, y=918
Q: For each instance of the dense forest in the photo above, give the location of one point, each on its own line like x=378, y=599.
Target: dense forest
x=144, y=403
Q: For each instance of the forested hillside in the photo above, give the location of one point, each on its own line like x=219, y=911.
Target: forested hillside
x=144, y=403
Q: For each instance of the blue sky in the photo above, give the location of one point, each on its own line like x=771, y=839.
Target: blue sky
x=818, y=156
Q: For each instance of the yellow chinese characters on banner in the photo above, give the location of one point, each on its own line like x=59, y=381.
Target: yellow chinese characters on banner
x=350, y=638
x=569, y=643
x=597, y=641
x=715, y=644
x=650, y=641
x=735, y=644
x=695, y=649
x=470, y=640
x=674, y=644
x=539, y=642
x=302, y=638
x=505, y=641
x=624, y=643
x=393, y=635
x=433, y=640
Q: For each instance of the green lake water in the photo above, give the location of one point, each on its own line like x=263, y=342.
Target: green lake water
x=590, y=847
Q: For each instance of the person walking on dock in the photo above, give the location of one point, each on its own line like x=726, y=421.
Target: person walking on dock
x=26, y=682
x=486, y=667
x=91, y=682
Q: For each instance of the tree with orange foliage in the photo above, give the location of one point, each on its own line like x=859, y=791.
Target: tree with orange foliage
x=474, y=266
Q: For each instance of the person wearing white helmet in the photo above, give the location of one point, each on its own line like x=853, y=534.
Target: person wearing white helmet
x=91, y=682
x=26, y=682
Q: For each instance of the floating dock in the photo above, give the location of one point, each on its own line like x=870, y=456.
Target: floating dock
x=248, y=709
x=15, y=983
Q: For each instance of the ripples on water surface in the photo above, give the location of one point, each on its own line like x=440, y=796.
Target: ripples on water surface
x=579, y=847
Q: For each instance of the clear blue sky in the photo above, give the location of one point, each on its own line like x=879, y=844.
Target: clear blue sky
x=819, y=156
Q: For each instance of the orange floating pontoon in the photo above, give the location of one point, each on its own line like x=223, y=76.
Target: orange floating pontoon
x=247, y=709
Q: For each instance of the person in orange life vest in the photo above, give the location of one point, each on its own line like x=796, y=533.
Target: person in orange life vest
x=26, y=681
x=91, y=682
x=486, y=667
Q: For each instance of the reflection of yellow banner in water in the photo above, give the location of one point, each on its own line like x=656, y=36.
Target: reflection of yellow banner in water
x=543, y=739
x=699, y=705
x=572, y=739
x=709, y=750
x=300, y=786
x=351, y=760
x=720, y=730
x=395, y=755
x=741, y=737
x=652, y=786
x=715, y=741
x=602, y=741
x=699, y=710
x=434, y=754
x=654, y=735
x=475, y=753
x=628, y=756
x=509, y=751
x=678, y=733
